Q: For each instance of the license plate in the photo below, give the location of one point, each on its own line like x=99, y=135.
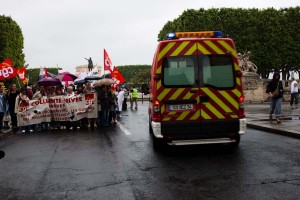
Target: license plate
x=181, y=107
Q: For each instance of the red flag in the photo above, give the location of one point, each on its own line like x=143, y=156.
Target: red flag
x=22, y=73
x=44, y=72
x=117, y=76
x=107, y=62
x=7, y=70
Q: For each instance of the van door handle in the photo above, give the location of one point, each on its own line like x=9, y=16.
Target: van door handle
x=204, y=98
x=193, y=91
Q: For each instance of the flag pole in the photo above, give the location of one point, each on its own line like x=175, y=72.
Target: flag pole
x=18, y=82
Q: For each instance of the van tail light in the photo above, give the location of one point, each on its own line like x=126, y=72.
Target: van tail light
x=156, y=111
x=241, y=107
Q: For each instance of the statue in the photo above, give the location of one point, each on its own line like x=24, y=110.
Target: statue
x=245, y=64
x=90, y=65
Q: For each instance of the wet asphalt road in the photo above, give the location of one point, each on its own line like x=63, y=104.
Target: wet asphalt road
x=119, y=163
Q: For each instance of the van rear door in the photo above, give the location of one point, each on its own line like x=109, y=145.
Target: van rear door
x=178, y=91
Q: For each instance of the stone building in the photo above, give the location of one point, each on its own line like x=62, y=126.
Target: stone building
x=84, y=69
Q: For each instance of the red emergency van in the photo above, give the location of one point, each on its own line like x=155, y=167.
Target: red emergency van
x=196, y=93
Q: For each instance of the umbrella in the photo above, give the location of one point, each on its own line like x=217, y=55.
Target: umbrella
x=49, y=81
x=92, y=78
x=104, y=81
x=66, y=76
x=79, y=81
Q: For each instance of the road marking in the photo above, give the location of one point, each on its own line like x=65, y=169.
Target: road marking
x=123, y=129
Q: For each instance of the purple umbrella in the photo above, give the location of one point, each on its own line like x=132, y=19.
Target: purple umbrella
x=49, y=81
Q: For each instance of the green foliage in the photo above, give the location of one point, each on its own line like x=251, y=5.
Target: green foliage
x=271, y=35
x=135, y=74
x=33, y=74
x=11, y=43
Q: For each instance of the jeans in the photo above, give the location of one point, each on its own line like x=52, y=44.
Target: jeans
x=275, y=106
x=1, y=120
x=294, y=96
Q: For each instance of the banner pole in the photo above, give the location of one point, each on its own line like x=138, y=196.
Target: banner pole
x=18, y=82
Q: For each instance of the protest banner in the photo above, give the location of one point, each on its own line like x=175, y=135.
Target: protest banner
x=58, y=108
x=33, y=112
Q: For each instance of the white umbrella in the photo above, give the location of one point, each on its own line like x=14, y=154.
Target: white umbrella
x=104, y=81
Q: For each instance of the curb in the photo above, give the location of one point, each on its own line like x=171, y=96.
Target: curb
x=289, y=133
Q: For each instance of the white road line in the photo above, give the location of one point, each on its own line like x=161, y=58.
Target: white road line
x=123, y=129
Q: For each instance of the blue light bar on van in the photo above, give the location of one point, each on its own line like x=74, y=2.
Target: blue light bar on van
x=199, y=34
x=171, y=36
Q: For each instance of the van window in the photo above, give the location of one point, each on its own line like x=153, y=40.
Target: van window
x=218, y=71
x=179, y=71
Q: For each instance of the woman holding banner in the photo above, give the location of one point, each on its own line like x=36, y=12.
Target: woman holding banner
x=23, y=100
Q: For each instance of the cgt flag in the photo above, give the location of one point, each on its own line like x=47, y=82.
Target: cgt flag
x=107, y=63
x=117, y=76
x=22, y=74
x=7, y=70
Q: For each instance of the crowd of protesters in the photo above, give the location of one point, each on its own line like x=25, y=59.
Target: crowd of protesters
x=110, y=105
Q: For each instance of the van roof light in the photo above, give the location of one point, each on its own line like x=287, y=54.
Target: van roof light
x=199, y=34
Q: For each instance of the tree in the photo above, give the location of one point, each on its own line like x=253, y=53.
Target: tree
x=135, y=74
x=11, y=43
x=271, y=35
x=33, y=74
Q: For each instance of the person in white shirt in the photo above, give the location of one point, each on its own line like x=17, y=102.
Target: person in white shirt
x=120, y=102
x=294, y=93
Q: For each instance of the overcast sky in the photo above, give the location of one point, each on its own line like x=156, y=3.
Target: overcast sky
x=64, y=32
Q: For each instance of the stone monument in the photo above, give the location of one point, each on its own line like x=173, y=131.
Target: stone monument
x=254, y=86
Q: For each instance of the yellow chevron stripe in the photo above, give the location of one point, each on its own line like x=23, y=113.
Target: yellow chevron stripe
x=217, y=100
x=177, y=93
x=236, y=67
x=230, y=99
x=214, y=111
x=180, y=48
x=158, y=85
x=183, y=115
x=214, y=47
x=191, y=50
x=162, y=109
x=158, y=70
x=165, y=119
x=165, y=50
x=205, y=115
x=203, y=49
x=227, y=46
x=196, y=115
x=163, y=94
x=237, y=92
x=188, y=95
x=234, y=116
x=238, y=81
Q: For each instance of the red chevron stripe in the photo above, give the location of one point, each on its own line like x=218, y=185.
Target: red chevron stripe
x=208, y=48
x=217, y=106
x=187, y=48
x=220, y=46
x=208, y=112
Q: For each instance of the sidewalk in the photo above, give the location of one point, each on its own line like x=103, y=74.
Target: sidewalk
x=257, y=115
